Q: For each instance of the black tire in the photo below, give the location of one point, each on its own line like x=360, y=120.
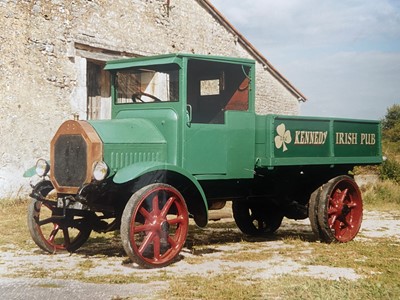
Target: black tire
x=154, y=225
x=53, y=234
x=256, y=219
x=340, y=210
x=313, y=213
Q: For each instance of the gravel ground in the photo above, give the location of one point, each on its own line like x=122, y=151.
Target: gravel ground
x=17, y=266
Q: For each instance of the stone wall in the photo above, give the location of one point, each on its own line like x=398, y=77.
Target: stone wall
x=42, y=79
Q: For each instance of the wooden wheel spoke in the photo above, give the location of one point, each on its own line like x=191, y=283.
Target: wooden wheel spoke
x=167, y=206
x=337, y=227
x=78, y=224
x=144, y=212
x=333, y=211
x=51, y=207
x=255, y=218
x=351, y=205
x=46, y=221
x=334, y=206
x=260, y=224
x=53, y=233
x=347, y=223
x=338, y=197
x=155, y=207
x=140, y=228
x=157, y=248
x=172, y=242
x=333, y=219
x=343, y=195
x=177, y=220
x=67, y=239
x=146, y=242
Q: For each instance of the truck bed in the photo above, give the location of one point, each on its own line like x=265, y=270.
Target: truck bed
x=297, y=140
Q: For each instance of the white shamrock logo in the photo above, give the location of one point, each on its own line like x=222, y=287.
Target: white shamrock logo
x=284, y=137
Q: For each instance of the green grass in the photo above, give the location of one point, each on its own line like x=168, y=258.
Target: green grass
x=391, y=149
x=13, y=225
x=384, y=195
x=376, y=260
x=290, y=287
x=219, y=287
x=295, y=287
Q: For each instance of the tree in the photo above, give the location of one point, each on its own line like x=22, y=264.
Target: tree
x=391, y=123
x=392, y=117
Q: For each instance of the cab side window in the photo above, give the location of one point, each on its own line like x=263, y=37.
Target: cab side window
x=214, y=88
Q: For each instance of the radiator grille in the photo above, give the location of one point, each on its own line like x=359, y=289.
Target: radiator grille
x=119, y=160
x=70, y=160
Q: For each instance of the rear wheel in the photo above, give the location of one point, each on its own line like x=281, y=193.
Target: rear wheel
x=340, y=210
x=313, y=213
x=256, y=219
x=154, y=225
x=50, y=229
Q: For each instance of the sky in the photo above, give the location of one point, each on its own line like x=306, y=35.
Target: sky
x=343, y=56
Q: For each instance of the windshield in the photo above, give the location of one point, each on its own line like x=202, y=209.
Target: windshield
x=147, y=86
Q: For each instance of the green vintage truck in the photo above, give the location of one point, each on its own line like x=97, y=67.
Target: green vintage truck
x=183, y=139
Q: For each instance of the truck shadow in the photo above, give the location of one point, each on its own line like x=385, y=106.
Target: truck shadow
x=201, y=241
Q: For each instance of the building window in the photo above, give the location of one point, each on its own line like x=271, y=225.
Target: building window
x=98, y=91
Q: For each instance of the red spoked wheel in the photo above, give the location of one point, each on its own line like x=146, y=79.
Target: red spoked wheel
x=52, y=230
x=340, y=210
x=154, y=225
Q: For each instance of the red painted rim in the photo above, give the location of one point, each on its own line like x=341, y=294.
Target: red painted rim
x=345, y=210
x=159, y=226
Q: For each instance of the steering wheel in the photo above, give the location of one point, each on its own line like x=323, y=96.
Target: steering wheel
x=138, y=97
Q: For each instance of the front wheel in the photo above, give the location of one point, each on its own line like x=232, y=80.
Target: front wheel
x=53, y=231
x=154, y=225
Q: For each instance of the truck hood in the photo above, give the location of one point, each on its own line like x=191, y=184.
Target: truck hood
x=128, y=131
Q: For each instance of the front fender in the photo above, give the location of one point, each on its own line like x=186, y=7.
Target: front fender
x=136, y=170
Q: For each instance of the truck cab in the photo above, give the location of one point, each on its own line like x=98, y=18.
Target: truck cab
x=202, y=105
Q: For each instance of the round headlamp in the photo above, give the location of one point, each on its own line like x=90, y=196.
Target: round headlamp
x=42, y=167
x=100, y=170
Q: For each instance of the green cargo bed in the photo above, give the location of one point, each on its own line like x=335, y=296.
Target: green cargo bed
x=294, y=140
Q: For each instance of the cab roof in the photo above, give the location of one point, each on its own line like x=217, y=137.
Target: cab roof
x=176, y=58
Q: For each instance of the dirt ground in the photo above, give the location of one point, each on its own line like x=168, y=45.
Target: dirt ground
x=35, y=275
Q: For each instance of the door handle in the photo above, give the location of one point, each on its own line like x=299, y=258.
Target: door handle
x=189, y=113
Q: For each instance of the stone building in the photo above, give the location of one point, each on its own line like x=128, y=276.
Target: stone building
x=53, y=52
